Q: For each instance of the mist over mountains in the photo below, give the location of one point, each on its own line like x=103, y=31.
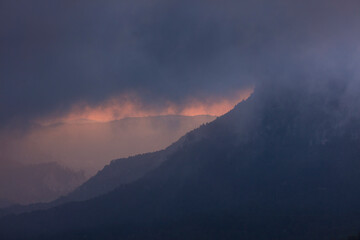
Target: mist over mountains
x=84, y=147
x=89, y=146
x=26, y=184
x=281, y=165
x=119, y=172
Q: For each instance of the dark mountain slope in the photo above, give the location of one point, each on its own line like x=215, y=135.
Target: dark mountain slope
x=118, y=172
x=121, y=171
x=283, y=165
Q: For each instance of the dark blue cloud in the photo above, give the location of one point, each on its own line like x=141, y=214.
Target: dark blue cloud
x=56, y=53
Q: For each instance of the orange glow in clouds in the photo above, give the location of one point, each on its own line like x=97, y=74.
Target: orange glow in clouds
x=130, y=106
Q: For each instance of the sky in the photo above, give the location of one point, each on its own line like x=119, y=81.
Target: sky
x=66, y=60
x=58, y=54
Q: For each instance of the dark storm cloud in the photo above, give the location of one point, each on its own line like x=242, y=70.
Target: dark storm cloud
x=56, y=53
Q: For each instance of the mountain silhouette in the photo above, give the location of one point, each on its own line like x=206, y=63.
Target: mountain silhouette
x=284, y=164
x=118, y=172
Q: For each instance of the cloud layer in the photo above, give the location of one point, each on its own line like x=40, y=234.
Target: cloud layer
x=55, y=54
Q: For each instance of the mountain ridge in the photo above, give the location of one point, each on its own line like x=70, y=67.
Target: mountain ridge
x=117, y=172
x=268, y=164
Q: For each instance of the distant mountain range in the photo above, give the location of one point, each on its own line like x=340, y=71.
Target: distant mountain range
x=283, y=165
x=37, y=183
x=119, y=171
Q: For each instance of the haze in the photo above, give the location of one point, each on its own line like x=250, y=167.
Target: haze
x=84, y=82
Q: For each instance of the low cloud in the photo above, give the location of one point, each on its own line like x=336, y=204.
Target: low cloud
x=61, y=53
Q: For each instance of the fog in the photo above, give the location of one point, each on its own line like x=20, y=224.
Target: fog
x=65, y=61
x=89, y=146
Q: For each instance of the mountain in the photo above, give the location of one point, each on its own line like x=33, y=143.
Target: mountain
x=37, y=182
x=118, y=172
x=283, y=164
x=115, y=136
